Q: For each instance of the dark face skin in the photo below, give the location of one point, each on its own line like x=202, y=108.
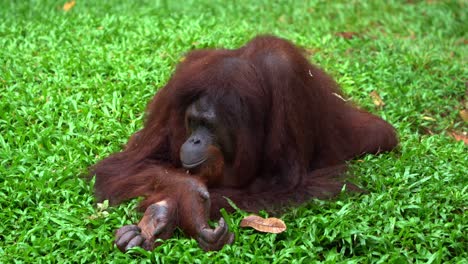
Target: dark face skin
x=205, y=131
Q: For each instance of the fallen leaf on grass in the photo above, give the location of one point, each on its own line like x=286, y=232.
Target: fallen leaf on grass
x=267, y=225
x=347, y=35
x=282, y=19
x=69, y=5
x=310, y=51
x=459, y=136
x=428, y=118
x=376, y=99
x=464, y=115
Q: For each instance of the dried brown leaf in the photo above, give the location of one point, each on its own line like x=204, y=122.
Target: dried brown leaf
x=267, y=225
x=347, y=35
x=310, y=51
x=459, y=136
x=69, y=5
x=376, y=99
x=464, y=115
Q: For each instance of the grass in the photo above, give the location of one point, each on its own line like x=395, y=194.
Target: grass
x=74, y=85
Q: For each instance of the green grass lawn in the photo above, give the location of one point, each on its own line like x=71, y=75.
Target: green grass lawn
x=74, y=86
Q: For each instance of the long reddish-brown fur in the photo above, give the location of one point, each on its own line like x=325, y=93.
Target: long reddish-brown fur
x=293, y=129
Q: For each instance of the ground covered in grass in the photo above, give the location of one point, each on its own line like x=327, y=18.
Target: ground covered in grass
x=74, y=85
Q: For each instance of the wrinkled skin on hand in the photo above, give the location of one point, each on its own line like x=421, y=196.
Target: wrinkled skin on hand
x=162, y=217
